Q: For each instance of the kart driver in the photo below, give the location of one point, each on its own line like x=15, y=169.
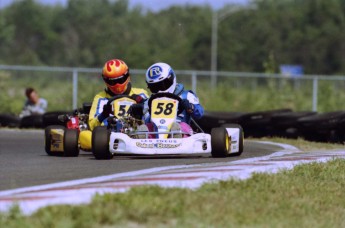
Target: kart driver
x=161, y=78
x=116, y=76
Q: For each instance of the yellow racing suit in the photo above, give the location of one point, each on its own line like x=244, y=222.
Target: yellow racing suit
x=96, y=109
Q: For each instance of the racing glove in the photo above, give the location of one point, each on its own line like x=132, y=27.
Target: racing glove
x=107, y=109
x=186, y=105
x=137, y=98
x=136, y=110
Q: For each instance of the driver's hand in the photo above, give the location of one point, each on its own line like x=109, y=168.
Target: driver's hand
x=186, y=105
x=107, y=109
x=136, y=110
x=137, y=98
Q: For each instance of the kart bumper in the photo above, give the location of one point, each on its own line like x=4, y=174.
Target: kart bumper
x=120, y=143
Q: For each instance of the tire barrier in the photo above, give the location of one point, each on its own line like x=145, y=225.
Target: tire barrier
x=9, y=120
x=34, y=121
x=285, y=123
x=51, y=118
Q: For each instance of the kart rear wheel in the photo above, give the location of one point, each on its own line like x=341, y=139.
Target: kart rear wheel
x=100, y=143
x=240, y=139
x=220, y=143
x=57, y=140
x=71, y=145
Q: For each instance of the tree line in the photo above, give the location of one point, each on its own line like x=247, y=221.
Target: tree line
x=257, y=37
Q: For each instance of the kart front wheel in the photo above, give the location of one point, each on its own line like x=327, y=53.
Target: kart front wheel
x=71, y=145
x=240, y=138
x=100, y=143
x=220, y=142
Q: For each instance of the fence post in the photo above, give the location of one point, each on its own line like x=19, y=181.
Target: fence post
x=194, y=81
x=75, y=89
x=315, y=90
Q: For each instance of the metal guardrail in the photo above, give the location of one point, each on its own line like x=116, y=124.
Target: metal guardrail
x=74, y=71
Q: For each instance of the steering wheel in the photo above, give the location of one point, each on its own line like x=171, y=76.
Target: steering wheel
x=168, y=95
x=118, y=97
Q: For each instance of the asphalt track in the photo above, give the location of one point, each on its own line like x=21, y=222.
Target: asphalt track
x=24, y=162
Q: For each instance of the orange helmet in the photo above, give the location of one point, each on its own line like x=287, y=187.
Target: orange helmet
x=115, y=74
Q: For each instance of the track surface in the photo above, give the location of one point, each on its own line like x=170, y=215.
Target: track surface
x=24, y=162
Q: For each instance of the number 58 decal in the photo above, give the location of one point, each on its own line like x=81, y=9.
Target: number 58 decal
x=164, y=108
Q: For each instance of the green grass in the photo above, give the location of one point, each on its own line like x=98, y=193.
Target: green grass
x=302, y=144
x=310, y=195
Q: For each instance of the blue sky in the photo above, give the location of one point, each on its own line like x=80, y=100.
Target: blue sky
x=153, y=5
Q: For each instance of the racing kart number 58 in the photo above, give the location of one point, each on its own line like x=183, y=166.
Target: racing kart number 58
x=165, y=140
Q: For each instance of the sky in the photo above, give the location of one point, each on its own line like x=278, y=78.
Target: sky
x=153, y=5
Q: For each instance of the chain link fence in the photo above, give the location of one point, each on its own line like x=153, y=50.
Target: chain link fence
x=67, y=88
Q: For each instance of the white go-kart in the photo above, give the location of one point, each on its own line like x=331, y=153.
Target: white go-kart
x=126, y=135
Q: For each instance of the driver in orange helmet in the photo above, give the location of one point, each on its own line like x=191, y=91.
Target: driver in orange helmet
x=116, y=76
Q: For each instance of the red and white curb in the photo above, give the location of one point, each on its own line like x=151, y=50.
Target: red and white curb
x=81, y=191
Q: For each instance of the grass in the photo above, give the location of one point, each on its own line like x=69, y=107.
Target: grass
x=310, y=195
x=303, y=145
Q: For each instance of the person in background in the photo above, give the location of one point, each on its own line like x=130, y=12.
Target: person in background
x=34, y=105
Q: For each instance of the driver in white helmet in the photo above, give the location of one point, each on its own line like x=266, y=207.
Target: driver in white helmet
x=161, y=78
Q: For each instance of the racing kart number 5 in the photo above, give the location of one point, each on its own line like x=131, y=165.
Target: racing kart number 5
x=164, y=108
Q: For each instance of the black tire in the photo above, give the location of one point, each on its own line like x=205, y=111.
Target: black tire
x=86, y=107
x=100, y=143
x=9, y=120
x=258, y=124
x=71, y=144
x=220, y=144
x=33, y=121
x=51, y=118
x=216, y=119
x=48, y=140
x=322, y=127
x=241, y=139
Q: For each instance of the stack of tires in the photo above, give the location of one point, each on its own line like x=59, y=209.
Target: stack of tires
x=217, y=119
x=286, y=124
x=323, y=127
x=258, y=124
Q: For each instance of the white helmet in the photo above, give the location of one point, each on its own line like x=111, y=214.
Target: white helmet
x=161, y=78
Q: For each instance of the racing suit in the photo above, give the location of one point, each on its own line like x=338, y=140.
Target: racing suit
x=101, y=98
x=95, y=118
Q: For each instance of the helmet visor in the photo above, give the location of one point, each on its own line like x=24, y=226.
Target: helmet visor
x=162, y=85
x=119, y=80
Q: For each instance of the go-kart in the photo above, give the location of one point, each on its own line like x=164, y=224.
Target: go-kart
x=66, y=141
x=63, y=140
x=133, y=139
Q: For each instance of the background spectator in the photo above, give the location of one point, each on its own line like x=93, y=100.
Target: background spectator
x=34, y=105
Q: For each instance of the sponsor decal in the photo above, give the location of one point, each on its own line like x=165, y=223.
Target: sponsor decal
x=57, y=140
x=162, y=121
x=155, y=72
x=158, y=145
x=173, y=141
x=162, y=127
